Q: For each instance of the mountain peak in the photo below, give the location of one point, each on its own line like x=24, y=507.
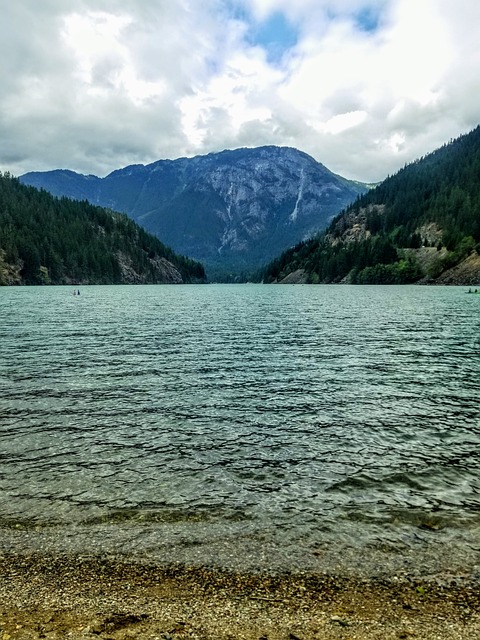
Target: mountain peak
x=233, y=210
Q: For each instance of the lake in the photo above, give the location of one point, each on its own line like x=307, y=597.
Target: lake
x=247, y=426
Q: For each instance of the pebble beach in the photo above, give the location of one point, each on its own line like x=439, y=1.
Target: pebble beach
x=81, y=597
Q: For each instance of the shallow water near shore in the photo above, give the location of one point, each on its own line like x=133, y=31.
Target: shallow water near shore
x=245, y=426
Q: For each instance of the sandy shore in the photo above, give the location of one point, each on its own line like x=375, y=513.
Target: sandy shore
x=77, y=597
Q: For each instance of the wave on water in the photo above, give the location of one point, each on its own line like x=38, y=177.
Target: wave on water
x=270, y=426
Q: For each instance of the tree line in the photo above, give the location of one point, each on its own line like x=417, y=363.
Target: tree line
x=57, y=241
x=441, y=188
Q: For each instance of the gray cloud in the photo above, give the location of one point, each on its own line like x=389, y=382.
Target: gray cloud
x=94, y=85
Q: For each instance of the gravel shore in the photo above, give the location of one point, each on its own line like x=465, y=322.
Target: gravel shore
x=82, y=597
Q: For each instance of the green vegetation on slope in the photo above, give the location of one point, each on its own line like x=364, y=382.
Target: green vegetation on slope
x=433, y=202
x=48, y=240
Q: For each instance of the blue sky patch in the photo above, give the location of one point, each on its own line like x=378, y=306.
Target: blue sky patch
x=368, y=19
x=275, y=34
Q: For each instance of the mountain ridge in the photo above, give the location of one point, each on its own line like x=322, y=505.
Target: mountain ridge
x=233, y=210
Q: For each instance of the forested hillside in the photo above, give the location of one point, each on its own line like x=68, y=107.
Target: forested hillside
x=422, y=224
x=234, y=210
x=48, y=240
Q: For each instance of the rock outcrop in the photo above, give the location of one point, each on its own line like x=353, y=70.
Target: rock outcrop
x=466, y=272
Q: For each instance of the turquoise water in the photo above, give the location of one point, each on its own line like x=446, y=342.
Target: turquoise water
x=279, y=426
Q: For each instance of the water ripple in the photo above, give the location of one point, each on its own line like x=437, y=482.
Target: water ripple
x=297, y=415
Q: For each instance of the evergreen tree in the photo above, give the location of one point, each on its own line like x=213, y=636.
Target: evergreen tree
x=57, y=240
x=441, y=188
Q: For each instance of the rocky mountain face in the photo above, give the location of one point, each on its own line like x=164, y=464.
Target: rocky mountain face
x=234, y=210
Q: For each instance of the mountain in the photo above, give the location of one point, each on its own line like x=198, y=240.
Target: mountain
x=47, y=240
x=233, y=210
x=420, y=225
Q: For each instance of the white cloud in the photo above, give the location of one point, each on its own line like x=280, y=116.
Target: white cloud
x=364, y=86
x=344, y=121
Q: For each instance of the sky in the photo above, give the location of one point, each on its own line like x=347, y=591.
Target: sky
x=363, y=86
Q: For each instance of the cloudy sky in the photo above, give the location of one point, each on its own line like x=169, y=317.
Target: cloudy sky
x=363, y=86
